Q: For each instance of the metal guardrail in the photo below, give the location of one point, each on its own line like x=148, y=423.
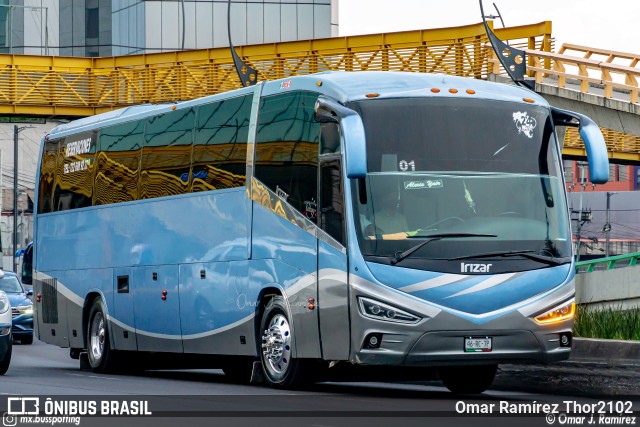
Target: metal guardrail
x=72, y=86
x=608, y=263
x=594, y=69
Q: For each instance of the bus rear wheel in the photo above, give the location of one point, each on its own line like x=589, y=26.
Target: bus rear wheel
x=101, y=357
x=468, y=379
x=280, y=368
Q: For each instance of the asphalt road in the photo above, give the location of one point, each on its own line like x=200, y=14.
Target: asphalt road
x=207, y=397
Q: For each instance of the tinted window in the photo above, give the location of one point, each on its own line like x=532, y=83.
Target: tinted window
x=220, y=147
x=332, y=205
x=74, y=175
x=47, y=177
x=287, y=148
x=445, y=134
x=166, y=156
x=118, y=163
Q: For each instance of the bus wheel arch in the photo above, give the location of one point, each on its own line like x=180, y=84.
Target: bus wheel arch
x=102, y=357
x=266, y=294
x=276, y=347
x=88, y=303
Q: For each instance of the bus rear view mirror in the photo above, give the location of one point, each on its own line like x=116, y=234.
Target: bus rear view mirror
x=352, y=130
x=593, y=141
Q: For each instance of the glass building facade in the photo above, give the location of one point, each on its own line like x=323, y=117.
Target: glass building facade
x=125, y=27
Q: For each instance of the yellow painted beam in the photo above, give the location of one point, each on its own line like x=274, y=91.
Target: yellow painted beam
x=76, y=86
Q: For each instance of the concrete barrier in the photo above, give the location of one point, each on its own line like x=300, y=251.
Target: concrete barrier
x=618, y=288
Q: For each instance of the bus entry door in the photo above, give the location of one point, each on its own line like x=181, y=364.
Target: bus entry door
x=333, y=290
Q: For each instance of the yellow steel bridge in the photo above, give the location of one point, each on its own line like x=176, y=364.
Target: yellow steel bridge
x=74, y=87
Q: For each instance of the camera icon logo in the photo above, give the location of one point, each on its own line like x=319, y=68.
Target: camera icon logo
x=9, y=420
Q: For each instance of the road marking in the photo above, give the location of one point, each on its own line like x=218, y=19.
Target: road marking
x=92, y=376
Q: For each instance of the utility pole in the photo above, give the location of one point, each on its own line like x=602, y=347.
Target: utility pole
x=607, y=226
x=16, y=131
x=16, y=193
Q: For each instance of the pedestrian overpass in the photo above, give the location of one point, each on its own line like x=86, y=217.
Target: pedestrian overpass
x=69, y=87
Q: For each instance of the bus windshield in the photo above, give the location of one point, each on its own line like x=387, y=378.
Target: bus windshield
x=451, y=166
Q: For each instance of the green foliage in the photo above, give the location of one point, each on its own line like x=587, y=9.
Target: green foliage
x=607, y=323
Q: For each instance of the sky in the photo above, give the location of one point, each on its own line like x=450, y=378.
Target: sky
x=612, y=24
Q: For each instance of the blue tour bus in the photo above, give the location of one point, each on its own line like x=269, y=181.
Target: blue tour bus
x=316, y=224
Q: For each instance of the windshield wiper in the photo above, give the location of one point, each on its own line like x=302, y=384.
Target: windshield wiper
x=524, y=253
x=399, y=256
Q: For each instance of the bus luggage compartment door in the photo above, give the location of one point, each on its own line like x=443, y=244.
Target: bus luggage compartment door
x=157, y=308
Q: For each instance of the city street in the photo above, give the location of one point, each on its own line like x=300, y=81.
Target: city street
x=47, y=371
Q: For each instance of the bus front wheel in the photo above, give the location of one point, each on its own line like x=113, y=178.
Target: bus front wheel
x=101, y=356
x=468, y=379
x=277, y=342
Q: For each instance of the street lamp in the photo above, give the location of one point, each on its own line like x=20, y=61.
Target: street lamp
x=16, y=131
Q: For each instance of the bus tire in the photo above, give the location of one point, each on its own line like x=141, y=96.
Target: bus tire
x=276, y=346
x=468, y=379
x=102, y=358
x=4, y=364
x=238, y=372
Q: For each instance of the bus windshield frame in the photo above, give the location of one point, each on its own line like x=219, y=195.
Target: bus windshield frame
x=454, y=165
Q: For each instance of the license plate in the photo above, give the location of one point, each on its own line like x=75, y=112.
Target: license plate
x=477, y=344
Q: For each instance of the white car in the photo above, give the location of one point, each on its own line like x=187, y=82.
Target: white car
x=5, y=333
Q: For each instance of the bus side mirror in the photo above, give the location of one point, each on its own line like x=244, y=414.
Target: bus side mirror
x=593, y=142
x=352, y=130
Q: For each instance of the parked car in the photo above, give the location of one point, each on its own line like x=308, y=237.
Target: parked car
x=5, y=333
x=21, y=307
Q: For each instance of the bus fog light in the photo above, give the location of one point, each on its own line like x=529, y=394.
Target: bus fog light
x=5, y=330
x=380, y=311
x=373, y=340
x=560, y=313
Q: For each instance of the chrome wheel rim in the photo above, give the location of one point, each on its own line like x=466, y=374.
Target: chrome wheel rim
x=97, y=336
x=276, y=347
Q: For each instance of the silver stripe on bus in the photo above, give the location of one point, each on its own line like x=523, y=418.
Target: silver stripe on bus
x=442, y=280
x=301, y=283
x=181, y=337
x=486, y=284
x=62, y=289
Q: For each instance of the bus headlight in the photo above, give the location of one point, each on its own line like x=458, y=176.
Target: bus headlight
x=564, y=311
x=4, y=302
x=381, y=311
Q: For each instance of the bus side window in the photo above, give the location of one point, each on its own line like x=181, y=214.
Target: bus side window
x=220, y=145
x=287, y=149
x=118, y=163
x=47, y=177
x=165, y=168
x=74, y=171
x=329, y=138
x=331, y=199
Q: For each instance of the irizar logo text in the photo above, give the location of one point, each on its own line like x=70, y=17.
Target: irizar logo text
x=475, y=268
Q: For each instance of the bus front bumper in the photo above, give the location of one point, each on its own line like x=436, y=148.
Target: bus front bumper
x=440, y=341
